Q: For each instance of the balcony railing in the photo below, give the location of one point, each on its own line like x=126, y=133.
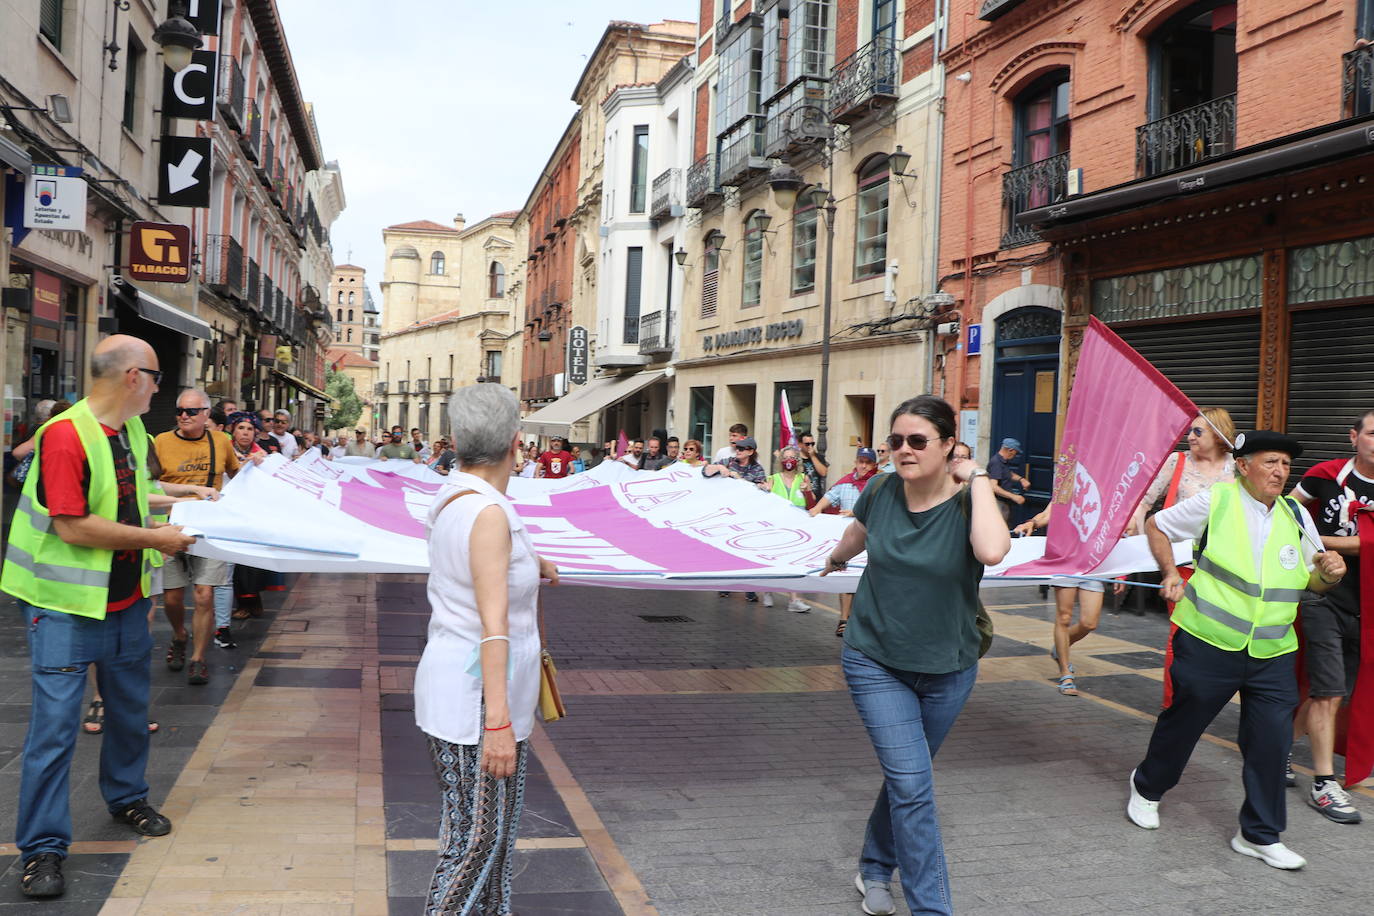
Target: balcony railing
x=254, y=286
x=864, y=81
x=445, y=384
x=268, y=307
x=380, y=388
x=741, y=152
x=796, y=116
x=224, y=264
x=665, y=195
x=1187, y=137
x=422, y=386
x=231, y=92
x=268, y=164
x=1036, y=185
x=703, y=185
x=1357, y=82
x=403, y=386
x=653, y=336
x=252, y=135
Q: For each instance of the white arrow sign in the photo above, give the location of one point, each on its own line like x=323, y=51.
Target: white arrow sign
x=182, y=175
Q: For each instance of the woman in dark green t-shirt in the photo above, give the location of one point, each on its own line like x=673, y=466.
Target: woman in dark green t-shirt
x=910, y=652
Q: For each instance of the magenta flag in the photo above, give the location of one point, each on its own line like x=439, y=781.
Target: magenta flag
x=1124, y=418
x=787, y=435
x=622, y=445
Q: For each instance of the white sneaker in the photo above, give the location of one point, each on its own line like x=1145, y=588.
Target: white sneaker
x=1275, y=854
x=1142, y=812
x=767, y=599
x=798, y=605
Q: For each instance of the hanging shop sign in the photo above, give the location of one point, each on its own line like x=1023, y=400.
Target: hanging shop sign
x=160, y=251
x=190, y=91
x=578, y=354
x=55, y=198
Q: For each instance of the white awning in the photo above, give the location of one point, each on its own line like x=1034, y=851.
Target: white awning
x=557, y=418
x=153, y=309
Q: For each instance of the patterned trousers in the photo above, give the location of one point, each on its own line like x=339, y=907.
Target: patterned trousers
x=477, y=833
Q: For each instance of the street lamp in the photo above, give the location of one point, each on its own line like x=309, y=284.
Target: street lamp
x=544, y=338
x=680, y=256
x=178, y=38
x=898, y=161
x=786, y=183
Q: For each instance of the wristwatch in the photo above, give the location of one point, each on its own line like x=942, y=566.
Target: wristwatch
x=978, y=472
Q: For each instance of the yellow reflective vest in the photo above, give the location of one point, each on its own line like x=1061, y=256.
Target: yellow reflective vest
x=1228, y=603
x=44, y=570
x=794, y=495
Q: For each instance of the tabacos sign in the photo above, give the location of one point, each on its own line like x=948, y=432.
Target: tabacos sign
x=745, y=337
x=160, y=251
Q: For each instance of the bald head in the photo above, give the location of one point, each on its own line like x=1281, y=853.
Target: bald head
x=119, y=353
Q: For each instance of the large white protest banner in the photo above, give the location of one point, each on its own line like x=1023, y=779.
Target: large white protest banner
x=612, y=526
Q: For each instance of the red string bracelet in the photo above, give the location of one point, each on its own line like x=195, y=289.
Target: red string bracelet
x=497, y=729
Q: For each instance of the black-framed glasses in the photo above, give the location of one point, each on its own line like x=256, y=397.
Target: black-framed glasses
x=189, y=411
x=915, y=440
x=155, y=373
x=809, y=444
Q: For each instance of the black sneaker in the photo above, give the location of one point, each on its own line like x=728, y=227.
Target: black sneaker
x=43, y=876
x=224, y=640
x=751, y=597
x=1290, y=779
x=144, y=818
x=1333, y=802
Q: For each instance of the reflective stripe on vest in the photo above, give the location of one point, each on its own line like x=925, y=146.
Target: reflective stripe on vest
x=1228, y=603
x=68, y=575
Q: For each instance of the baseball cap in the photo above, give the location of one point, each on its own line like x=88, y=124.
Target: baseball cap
x=746, y=442
x=866, y=453
x=1011, y=443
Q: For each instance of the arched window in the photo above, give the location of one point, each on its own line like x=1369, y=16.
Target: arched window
x=804, y=243
x=338, y=336
x=753, y=261
x=1042, y=119
x=350, y=335
x=350, y=316
x=340, y=297
x=870, y=237
x=496, y=281
x=350, y=300
x=436, y=262
x=339, y=317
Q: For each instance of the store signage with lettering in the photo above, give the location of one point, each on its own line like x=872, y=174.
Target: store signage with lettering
x=204, y=15
x=745, y=337
x=160, y=251
x=267, y=350
x=577, y=355
x=55, y=198
x=190, y=91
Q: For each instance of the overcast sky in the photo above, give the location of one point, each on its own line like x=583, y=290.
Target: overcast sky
x=436, y=107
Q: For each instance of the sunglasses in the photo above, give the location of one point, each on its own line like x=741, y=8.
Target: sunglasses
x=189, y=411
x=744, y=448
x=1197, y=430
x=915, y=440
x=156, y=374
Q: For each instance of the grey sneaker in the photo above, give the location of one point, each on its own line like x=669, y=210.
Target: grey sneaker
x=1329, y=798
x=877, y=896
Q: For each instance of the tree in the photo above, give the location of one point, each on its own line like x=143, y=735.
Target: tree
x=345, y=405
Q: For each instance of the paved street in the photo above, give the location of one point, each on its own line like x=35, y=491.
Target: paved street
x=712, y=764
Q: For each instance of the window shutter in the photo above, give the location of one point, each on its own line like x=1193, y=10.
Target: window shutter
x=50, y=21
x=634, y=269
x=708, y=294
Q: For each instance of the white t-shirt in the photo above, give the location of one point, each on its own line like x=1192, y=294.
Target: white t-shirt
x=448, y=700
x=629, y=458
x=724, y=454
x=1186, y=520
x=288, y=443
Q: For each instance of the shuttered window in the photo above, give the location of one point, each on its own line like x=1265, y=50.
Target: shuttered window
x=50, y=21
x=1330, y=380
x=634, y=271
x=710, y=277
x=1214, y=362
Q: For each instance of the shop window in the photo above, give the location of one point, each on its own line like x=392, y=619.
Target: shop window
x=753, y=261
x=804, y=225
x=870, y=237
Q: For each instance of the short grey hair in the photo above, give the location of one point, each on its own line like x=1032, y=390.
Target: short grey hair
x=790, y=448
x=198, y=393
x=483, y=420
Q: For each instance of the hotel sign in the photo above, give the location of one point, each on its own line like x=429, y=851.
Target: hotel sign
x=578, y=355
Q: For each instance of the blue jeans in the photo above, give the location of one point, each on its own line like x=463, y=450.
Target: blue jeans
x=61, y=647
x=907, y=715
x=224, y=601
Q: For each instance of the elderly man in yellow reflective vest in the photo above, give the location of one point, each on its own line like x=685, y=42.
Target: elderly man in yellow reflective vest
x=79, y=553
x=1255, y=554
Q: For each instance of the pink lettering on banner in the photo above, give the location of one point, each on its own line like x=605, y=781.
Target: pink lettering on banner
x=397, y=504
x=598, y=513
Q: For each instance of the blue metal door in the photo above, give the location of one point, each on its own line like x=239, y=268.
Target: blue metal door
x=1025, y=394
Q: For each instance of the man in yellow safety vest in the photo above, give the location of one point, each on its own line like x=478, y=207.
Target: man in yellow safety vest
x=1255, y=553
x=80, y=549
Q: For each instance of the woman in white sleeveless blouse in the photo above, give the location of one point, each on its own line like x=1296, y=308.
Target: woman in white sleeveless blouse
x=477, y=684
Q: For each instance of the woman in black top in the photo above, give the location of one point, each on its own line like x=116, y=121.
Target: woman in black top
x=911, y=648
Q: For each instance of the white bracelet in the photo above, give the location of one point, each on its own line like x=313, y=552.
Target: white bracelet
x=490, y=638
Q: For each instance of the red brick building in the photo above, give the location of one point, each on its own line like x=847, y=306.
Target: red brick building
x=1191, y=174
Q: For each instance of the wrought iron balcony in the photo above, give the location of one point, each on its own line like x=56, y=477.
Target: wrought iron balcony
x=224, y=264
x=665, y=195
x=741, y=152
x=795, y=117
x=379, y=388
x=268, y=166
x=445, y=384
x=252, y=293
x=251, y=137
x=422, y=386
x=703, y=184
x=231, y=92
x=653, y=336
x=1186, y=137
x=403, y=386
x=1036, y=185
x=864, y=81
x=1357, y=82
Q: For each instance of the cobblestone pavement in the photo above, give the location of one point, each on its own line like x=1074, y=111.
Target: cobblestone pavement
x=712, y=764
